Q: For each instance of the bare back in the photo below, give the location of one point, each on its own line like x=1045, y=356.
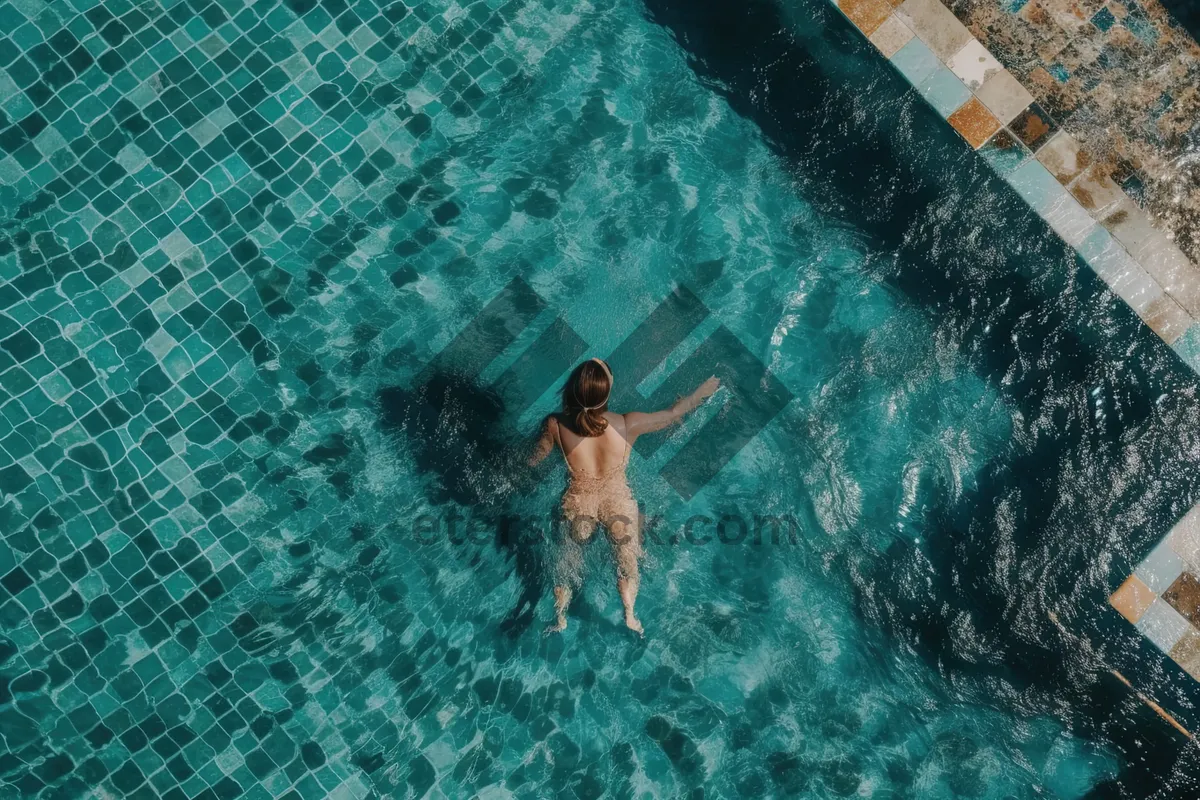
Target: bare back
x=598, y=491
x=595, y=455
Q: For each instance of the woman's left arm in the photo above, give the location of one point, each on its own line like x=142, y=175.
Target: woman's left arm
x=545, y=442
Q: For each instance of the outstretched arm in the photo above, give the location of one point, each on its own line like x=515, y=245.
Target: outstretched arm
x=637, y=422
x=545, y=442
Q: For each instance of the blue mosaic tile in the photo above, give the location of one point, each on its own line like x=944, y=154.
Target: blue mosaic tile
x=1104, y=19
x=1135, y=187
x=1141, y=27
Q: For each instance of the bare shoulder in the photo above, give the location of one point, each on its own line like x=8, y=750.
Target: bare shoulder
x=619, y=421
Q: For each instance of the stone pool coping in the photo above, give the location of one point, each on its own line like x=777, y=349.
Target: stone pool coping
x=998, y=116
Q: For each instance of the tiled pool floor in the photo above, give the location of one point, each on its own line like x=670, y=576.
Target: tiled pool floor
x=157, y=388
x=211, y=214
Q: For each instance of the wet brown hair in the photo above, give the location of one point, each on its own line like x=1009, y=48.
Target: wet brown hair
x=585, y=398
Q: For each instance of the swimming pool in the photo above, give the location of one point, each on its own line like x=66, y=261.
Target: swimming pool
x=228, y=559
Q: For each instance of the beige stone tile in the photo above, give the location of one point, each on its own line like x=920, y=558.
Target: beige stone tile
x=1069, y=220
x=1069, y=15
x=1129, y=224
x=1166, y=318
x=1186, y=653
x=1004, y=96
x=1062, y=156
x=974, y=122
x=935, y=25
x=1179, y=277
x=1184, y=537
x=891, y=36
x=1096, y=191
x=1132, y=599
x=1160, y=257
x=868, y=15
x=1137, y=289
x=974, y=64
x=1127, y=279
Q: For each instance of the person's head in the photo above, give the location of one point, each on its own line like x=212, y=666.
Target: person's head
x=585, y=397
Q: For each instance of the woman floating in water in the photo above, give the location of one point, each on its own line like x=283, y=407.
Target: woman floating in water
x=595, y=443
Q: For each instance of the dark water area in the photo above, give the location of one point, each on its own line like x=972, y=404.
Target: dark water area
x=1186, y=13
x=1007, y=594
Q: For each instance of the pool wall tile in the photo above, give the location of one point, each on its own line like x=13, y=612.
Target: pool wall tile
x=936, y=25
x=973, y=64
x=1160, y=569
x=1170, y=267
x=1167, y=318
x=1132, y=598
x=1036, y=185
x=974, y=122
x=1004, y=152
x=1069, y=219
x=1004, y=96
x=891, y=36
x=867, y=15
x=1186, y=653
x=1163, y=625
x=943, y=90
x=1188, y=346
x=1034, y=126
x=1096, y=191
x=1184, y=537
x=1062, y=156
x=915, y=61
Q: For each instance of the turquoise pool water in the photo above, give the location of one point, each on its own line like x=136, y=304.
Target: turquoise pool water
x=236, y=236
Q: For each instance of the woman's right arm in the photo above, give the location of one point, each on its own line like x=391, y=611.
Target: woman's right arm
x=637, y=422
x=545, y=442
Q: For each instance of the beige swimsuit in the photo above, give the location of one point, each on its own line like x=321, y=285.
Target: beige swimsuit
x=605, y=499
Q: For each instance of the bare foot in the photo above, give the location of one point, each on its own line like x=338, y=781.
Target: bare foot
x=559, y=626
x=634, y=624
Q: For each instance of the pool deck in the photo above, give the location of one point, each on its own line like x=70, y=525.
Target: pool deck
x=1074, y=148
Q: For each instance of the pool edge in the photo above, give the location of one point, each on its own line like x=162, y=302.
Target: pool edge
x=999, y=118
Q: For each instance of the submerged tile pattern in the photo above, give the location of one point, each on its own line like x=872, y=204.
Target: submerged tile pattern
x=1094, y=204
x=176, y=181
x=1162, y=596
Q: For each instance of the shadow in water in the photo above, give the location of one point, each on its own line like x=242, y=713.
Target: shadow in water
x=458, y=431
x=1106, y=394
